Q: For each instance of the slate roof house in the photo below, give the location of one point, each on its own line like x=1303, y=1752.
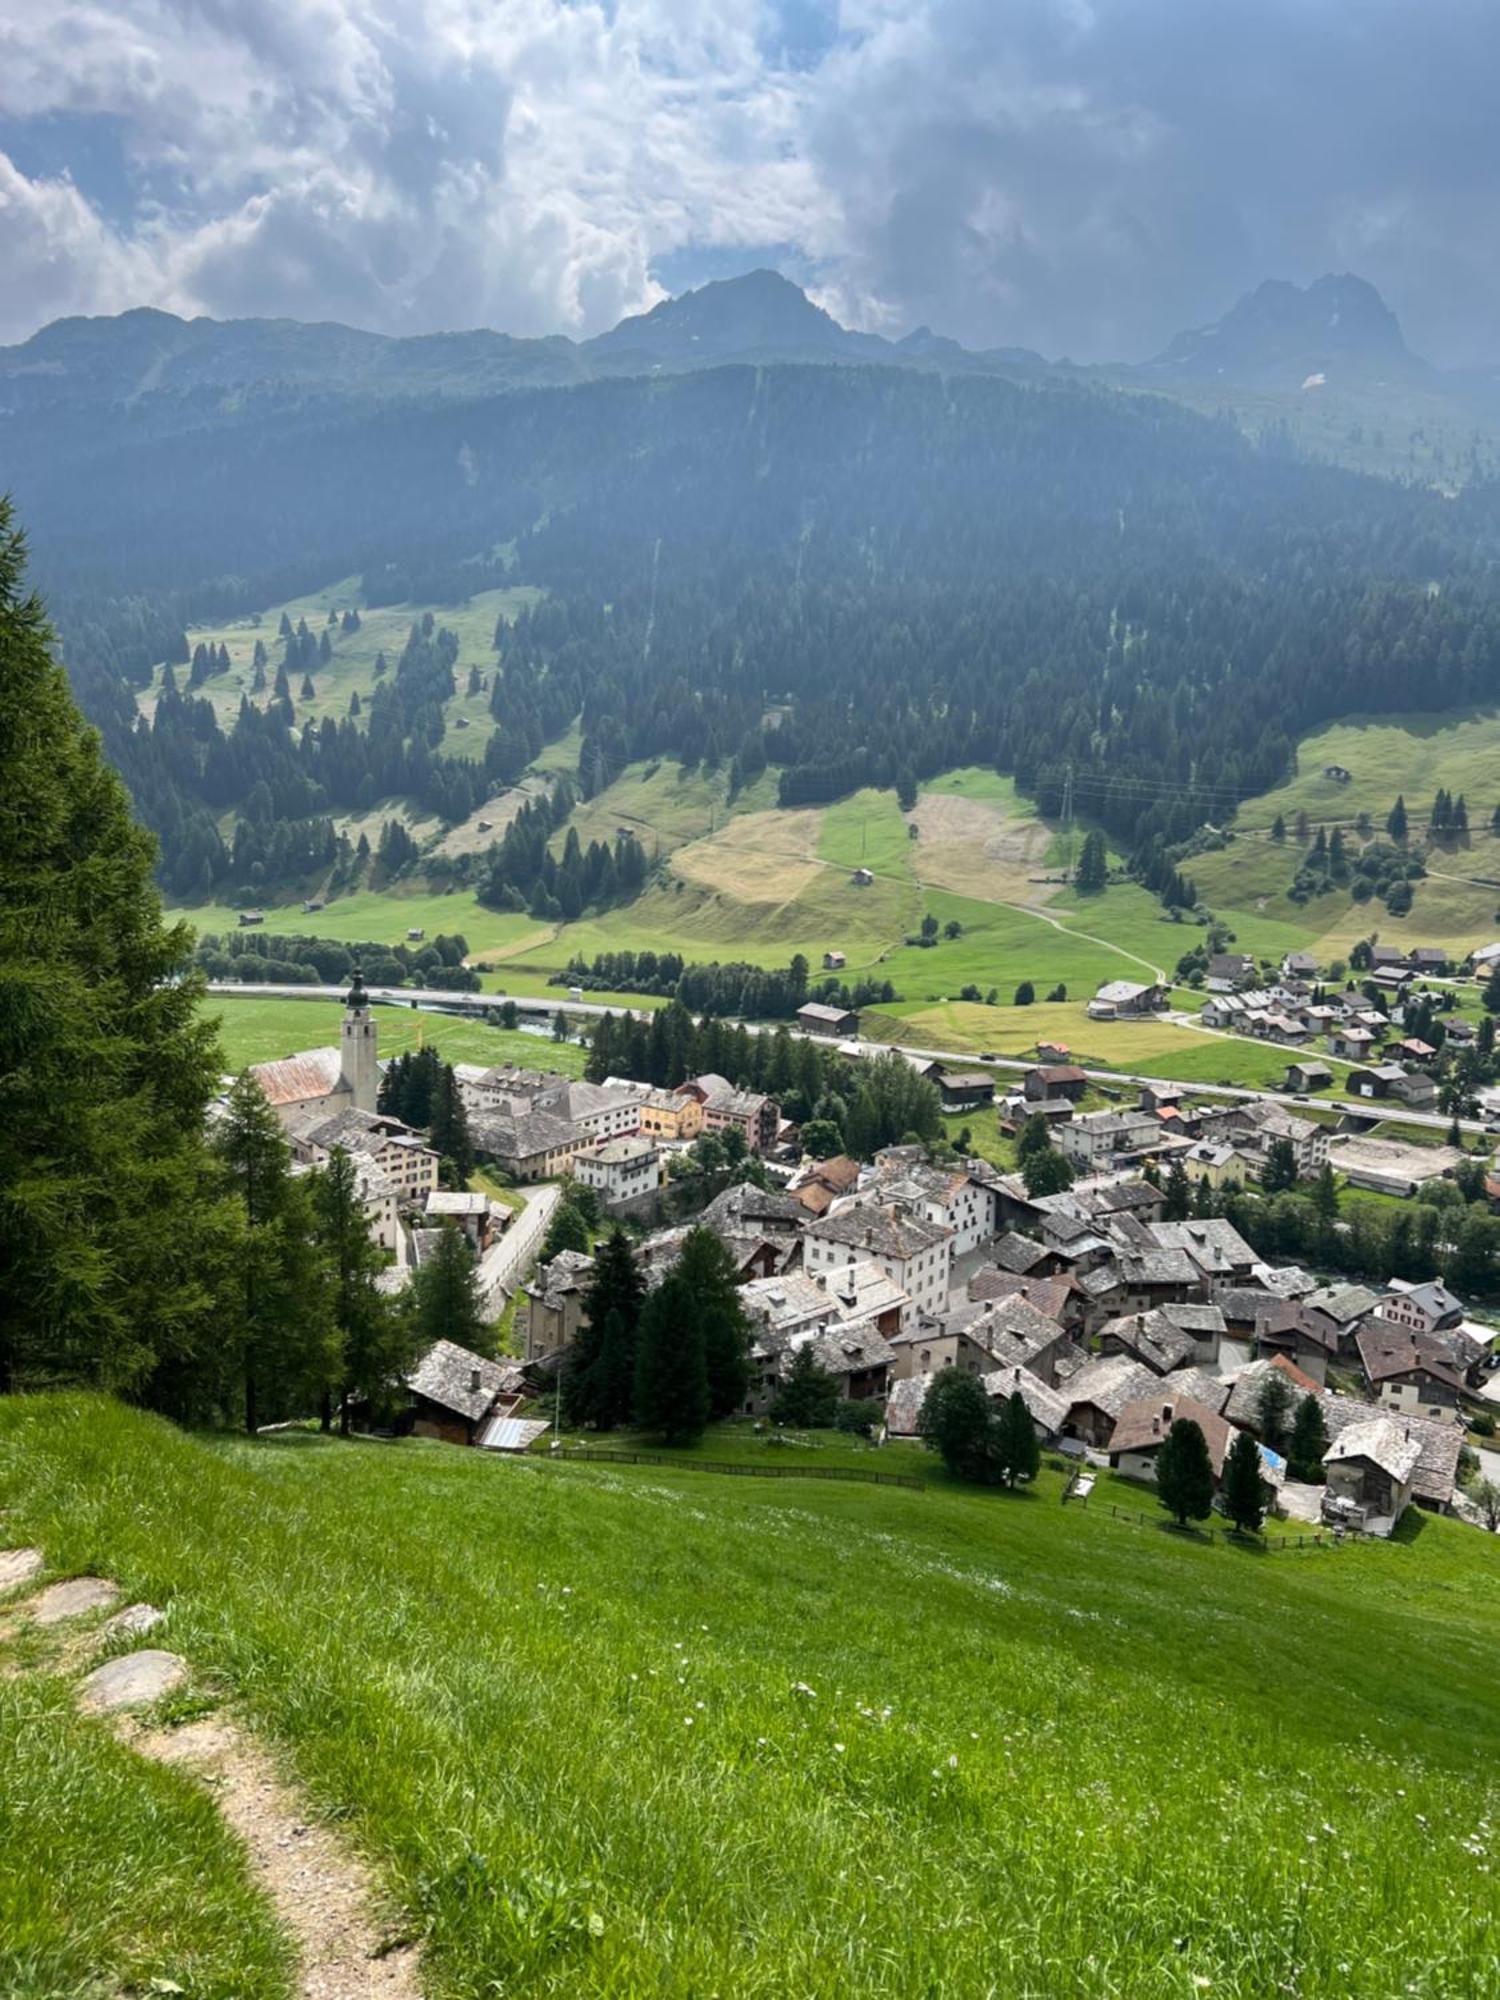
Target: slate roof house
x=1144, y=1425
x=454, y=1392
x=1409, y=1371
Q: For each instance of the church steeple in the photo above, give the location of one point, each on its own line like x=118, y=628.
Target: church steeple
x=359, y=1071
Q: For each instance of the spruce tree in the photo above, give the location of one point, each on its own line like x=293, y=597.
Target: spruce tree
x=116, y=1237
x=809, y=1397
x=280, y=1325
x=1244, y=1496
x=1178, y=1204
x=448, y=1133
x=599, y=1377
x=1016, y=1440
x=445, y=1296
x=1309, y=1442
x=708, y=1272
x=375, y=1343
x=1093, y=865
x=1184, y=1473
x=1274, y=1406
x=1395, y=824
x=671, y=1369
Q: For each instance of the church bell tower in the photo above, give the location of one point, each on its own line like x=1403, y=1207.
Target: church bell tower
x=359, y=1073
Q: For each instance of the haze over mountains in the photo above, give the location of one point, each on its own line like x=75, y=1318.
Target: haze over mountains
x=1277, y=337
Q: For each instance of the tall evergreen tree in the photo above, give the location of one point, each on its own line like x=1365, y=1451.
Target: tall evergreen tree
x=1185, y=1473
x=1016, y=1440
x=116, y=1238
x=599, y=1377
x=281, y=1325
x=375, y=1337
x=1309, y=1442
x=448, y=1133
x=809, y=1397
x=1093, y=865
x=445, y=1296
x=1244, y=1493
x=671, y=1368
x=708, y=1272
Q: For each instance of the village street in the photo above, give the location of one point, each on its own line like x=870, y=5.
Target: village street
x=507, y=1262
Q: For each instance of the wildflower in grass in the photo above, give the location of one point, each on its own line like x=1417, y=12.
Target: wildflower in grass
x=801, y=1688
x=953, y=1763
x=839, y=1748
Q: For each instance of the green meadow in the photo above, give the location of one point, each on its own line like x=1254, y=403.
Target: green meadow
x=256, y=1029
x=653, y=1731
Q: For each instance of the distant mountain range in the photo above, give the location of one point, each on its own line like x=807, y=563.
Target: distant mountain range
x=1337, y=332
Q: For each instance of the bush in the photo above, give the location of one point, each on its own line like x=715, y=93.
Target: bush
x=859, y=1418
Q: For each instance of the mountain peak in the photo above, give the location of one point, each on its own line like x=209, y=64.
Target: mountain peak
x=760, y=312
x=1288, y=336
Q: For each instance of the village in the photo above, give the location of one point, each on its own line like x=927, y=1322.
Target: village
x=1111, y=1321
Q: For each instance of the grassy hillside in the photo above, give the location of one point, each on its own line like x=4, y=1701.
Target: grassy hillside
x=254, y=1030
x=649, y=1731
x=352, y=668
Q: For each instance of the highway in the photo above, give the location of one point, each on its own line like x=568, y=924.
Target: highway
x=540, y=1011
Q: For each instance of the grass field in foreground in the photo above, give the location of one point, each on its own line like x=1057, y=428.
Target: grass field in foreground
x=254, y=1029
x=648, y=1731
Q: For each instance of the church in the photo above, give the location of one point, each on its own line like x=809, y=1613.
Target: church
x=331, y=1079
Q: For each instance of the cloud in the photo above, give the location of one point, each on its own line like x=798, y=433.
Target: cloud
x=1080, y=175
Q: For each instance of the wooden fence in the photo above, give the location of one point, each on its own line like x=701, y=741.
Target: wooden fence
x=588, y=1455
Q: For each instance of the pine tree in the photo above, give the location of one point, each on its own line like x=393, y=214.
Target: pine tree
x=445, y=1296
x=599, y=1375
x=325, y=647
x=1047, y=1173
x=808, y=1399
x=708, y=1272
x=566, y=1231
x=281, y=1328
x=116, y=1238
x=671, y=1369
x=1185, y=1473
x=308, y=691
x=1178, y=1203
x=448, y=1133
x=1016, y=1440
x=1274, y=1404
x=374, y=1334
x=1093, y=865
x=1395, y=825
x=1309, y=1442
x=1244, y=1495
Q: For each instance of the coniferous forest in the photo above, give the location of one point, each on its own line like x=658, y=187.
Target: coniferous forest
x=851, y=575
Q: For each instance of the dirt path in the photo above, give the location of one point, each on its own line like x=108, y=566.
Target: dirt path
x=320, y=1891
x=1158, y=972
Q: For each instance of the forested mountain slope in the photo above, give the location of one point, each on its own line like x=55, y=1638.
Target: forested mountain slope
x=852, y=574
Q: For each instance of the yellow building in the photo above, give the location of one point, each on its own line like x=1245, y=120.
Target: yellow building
x=666, y=1115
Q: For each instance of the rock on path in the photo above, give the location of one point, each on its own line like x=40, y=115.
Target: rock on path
x=320, y=1890
x=131, y=1681
x=72, y=1599
x=134, y=1622
x=19, y=1566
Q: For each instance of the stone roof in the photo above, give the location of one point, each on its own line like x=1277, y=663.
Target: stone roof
x=903, y=1405
x=1383, y=1442
x=1108, y=1382
x=865, y=1226
x=1047, y=1409
x=447, y=1375
x=1242, y=1406
x=1214, y=1245
x=520, y=1133
x=852, y=1348
x=1143, y=1425
x=1018, y=1254
x=1152, y=1337
x=1388, y=1352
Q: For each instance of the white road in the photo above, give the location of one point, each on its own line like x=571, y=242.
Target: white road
x=506, y=1263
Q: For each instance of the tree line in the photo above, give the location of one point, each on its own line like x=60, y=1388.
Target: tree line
x=750, y=992
x=863, y=1104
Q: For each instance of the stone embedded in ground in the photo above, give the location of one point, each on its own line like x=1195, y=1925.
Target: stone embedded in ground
x=18, y=1566
x=131, y=1681
x=134, y=1622
x=71, y=1599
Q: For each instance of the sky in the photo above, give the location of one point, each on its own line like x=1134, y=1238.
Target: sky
x=1080, y=176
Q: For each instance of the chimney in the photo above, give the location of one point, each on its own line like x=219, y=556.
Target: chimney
x=1166, y=1413
x=474, y=1381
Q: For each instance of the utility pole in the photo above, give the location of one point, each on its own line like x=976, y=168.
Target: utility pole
x=1067, y=821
